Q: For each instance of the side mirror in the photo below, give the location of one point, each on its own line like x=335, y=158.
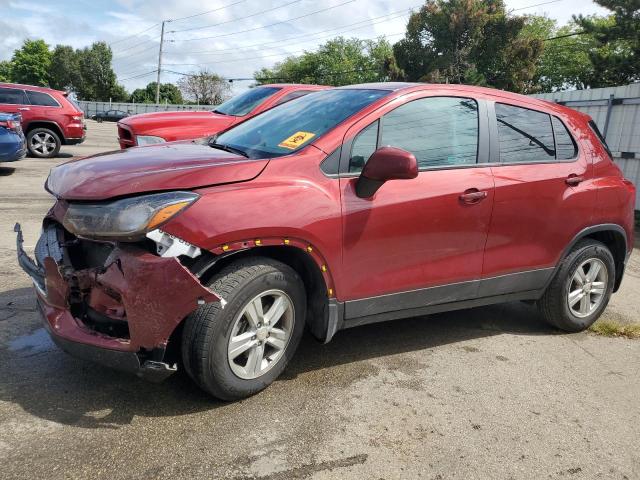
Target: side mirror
x=386, y=163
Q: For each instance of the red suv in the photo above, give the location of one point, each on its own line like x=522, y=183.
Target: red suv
x=49, y=118
x=158, y=127
x=350, y=206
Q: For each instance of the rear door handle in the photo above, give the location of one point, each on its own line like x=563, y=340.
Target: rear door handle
x=473, y=195
x=24, y=108
x=573, y=180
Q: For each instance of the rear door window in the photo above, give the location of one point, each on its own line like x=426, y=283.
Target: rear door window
x=41, y=99
x=524, y=135
x=13, y=96
x=566, y=148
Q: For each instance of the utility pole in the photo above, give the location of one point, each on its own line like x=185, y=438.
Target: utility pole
x=159, y=63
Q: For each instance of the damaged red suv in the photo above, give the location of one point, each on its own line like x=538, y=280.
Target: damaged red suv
x=350, y=206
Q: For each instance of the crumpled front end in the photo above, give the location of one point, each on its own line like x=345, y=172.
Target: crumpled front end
x=114, y=303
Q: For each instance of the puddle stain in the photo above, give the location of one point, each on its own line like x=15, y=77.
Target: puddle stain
x=34, y=343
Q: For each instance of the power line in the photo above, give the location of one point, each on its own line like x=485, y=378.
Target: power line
x=536, y=5
x=367, y=23
x=136, y=45
x=134, y=35
x=236, y=19
x=270, y=25
x=139, y=76
x=271, y=55
x=207, y=12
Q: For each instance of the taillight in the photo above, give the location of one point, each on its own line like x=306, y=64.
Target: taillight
x=10, y=125
x=78, y=118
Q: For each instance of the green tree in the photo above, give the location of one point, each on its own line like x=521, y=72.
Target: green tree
x=168, y=92
x=30, y=63
x=97, y=78
x=340, y=61
x=565, y=61
x=5, y=71
x=205, y=88
x=64, y=73
x=616, y=58
x=468, y=41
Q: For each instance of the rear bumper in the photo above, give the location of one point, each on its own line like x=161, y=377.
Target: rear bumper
x=134, y=291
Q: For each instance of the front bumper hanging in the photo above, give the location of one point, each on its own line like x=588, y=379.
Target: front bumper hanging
x=150, y=295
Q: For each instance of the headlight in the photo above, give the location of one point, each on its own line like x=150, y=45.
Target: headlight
x=127, y=219
x=142, y=140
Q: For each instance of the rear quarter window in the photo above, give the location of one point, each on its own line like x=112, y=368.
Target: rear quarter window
x=41, y=99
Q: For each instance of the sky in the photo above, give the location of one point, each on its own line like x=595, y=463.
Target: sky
x=233, y=38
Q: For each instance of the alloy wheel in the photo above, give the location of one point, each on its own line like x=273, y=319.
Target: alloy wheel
x=587, y=287
x=260, y=334
x=43, y=143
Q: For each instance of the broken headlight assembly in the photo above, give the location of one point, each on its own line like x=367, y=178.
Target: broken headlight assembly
x=127, y=219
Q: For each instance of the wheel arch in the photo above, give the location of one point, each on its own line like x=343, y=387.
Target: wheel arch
x=46, y=124
x=614, y=237
x=302, y=257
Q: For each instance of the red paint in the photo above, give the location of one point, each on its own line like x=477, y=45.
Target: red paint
x=443, y=226
x=67, y=117
x=390, y=163
x=166, y=166
x=189, y=125
x=143, y=283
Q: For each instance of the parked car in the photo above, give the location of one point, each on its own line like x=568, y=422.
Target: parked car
x=350, y=206
x=49, y=118
x=158, y=127
x=12, y=142
x=109, y=116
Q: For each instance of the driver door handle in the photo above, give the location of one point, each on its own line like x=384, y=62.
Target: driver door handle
x=473, y=195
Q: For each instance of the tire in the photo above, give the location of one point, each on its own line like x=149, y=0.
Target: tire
x=43, y=143
x=99, y=119
x=206, y=351
x=555, y=303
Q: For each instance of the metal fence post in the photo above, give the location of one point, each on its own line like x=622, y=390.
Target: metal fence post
x=606, y=122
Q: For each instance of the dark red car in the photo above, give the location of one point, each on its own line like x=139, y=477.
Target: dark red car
x=49, y=118
x=158, y=127
x=349, y=206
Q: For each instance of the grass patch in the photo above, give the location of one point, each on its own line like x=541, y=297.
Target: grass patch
x=611, y=328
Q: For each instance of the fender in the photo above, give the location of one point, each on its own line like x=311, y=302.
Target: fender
x=585, y=232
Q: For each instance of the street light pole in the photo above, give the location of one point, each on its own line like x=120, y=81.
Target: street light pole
x=159, y=64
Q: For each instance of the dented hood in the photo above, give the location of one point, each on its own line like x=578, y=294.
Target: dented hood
x=166, y=166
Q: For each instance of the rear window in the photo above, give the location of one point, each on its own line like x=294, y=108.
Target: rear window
x=596, y=130
x=13, y=96
x=245, y=102
x=41, y=99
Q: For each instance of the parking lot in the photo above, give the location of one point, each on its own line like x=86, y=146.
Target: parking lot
x=487, y=393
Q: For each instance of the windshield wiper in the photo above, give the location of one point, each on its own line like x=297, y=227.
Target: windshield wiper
x=227, y=148
x=218, y=111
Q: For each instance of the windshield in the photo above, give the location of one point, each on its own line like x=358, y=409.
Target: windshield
x=287, y=128
x=242, y=104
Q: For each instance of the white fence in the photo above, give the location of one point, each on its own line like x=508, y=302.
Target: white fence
x=616, y=111
x=91, y=108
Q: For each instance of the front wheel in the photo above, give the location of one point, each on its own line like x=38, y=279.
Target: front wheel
x=235, y=348
x=581, y=289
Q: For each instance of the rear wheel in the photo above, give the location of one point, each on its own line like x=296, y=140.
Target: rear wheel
x=238, y=349
x=581, y=289
x=43, y=143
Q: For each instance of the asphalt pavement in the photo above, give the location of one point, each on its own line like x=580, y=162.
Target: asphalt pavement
x=486, y=393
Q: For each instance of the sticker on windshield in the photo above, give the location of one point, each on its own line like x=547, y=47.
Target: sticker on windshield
x=296, y=140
